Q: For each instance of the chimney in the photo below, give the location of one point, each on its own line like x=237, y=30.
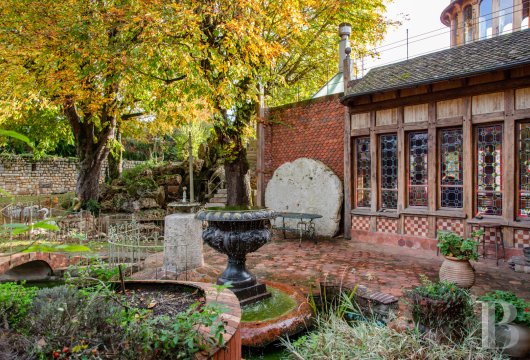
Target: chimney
x=344, y=33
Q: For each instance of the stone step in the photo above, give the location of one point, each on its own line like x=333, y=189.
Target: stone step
x=217, y=200
x=210, y=205
x=221, y=191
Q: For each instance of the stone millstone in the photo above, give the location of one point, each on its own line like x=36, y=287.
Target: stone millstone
x=307, y=186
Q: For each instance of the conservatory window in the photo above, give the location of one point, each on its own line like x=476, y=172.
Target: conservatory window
x=505, y=16
x=524, y=169
x=418, y=168
x=388, y=171
x=362, y=172
x=485, y=26
x=451, y=173
x=489, y=169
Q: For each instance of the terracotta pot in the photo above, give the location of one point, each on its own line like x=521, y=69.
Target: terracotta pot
x=457, y=271
x=521, y=347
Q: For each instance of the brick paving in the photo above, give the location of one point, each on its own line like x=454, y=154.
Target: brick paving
x=380, y=268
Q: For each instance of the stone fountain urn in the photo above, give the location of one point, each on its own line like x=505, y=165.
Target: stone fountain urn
x=237, y=233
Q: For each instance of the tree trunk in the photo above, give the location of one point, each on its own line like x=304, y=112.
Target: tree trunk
x=115, y=165
x=92, y=148
x=88, y=179
x=236, y=184
x=115, y=161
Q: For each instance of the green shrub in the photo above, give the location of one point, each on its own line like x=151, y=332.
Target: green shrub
x=81, y=322
x=522, y=306
x=15, y=301
x=442, y=307
x=97, y=323
x=139, y=179
x=176, y=337
x=93, y=206
x=335, y=338
x=451, y=244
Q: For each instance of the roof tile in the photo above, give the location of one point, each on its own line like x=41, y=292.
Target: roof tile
x=497, y=53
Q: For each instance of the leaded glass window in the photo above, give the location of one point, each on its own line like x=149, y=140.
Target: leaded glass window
x=451, y=173
x=389, y=171
x=418, y=168
x=362, y=171
x=524, y=169
x=489, y=169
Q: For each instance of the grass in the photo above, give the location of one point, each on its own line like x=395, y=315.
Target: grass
x=34, y=199
x=335, y=338
x=25, y=245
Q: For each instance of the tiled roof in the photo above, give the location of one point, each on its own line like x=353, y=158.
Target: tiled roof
x=497, y=53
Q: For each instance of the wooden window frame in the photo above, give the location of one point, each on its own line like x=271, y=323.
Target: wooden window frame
x=407, y=169
x=518, y=172
x=379, y=172
x=475, y=168
x=491, y=18
x=439, y=169
x=355, y=177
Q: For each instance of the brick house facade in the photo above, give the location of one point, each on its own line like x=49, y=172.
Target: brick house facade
x=312, y=129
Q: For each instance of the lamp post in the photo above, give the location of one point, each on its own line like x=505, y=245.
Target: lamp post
x=190, y=157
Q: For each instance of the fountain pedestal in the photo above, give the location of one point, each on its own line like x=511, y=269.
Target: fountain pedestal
x=237, y=233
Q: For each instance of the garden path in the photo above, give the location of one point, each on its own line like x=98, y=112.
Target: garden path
x=381, y=268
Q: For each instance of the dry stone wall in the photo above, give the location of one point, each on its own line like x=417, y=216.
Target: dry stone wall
x=20, y=175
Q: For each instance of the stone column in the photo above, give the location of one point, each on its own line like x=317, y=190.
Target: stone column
x=182, y=243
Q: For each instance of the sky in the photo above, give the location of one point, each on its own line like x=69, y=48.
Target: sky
x=422, y=16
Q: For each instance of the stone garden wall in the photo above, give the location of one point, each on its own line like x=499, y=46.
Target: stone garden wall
x=20, y=175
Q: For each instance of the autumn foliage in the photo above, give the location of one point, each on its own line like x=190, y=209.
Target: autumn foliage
x=111, y=64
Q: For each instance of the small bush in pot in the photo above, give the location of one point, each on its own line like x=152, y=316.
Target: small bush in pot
x=455, y=246
x=457, y=252
x=442, y=308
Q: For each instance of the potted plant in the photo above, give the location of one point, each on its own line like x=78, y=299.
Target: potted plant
x=521, y=324
x=457, y=251
x=441, y=309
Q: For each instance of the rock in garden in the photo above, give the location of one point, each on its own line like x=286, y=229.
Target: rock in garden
x=307, y=186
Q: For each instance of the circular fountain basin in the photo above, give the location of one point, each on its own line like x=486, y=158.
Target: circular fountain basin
x=287, y=312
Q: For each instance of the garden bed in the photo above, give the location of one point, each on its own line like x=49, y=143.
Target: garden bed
x=152, y=320
x=168, y=299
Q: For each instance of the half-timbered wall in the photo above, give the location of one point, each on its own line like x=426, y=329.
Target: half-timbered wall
x=458, y=152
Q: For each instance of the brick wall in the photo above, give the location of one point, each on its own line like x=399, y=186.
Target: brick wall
x=312, y=129
x=21, y=175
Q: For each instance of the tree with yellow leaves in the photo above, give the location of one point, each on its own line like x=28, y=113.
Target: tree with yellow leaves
x=277, y=43
x=100, y=62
